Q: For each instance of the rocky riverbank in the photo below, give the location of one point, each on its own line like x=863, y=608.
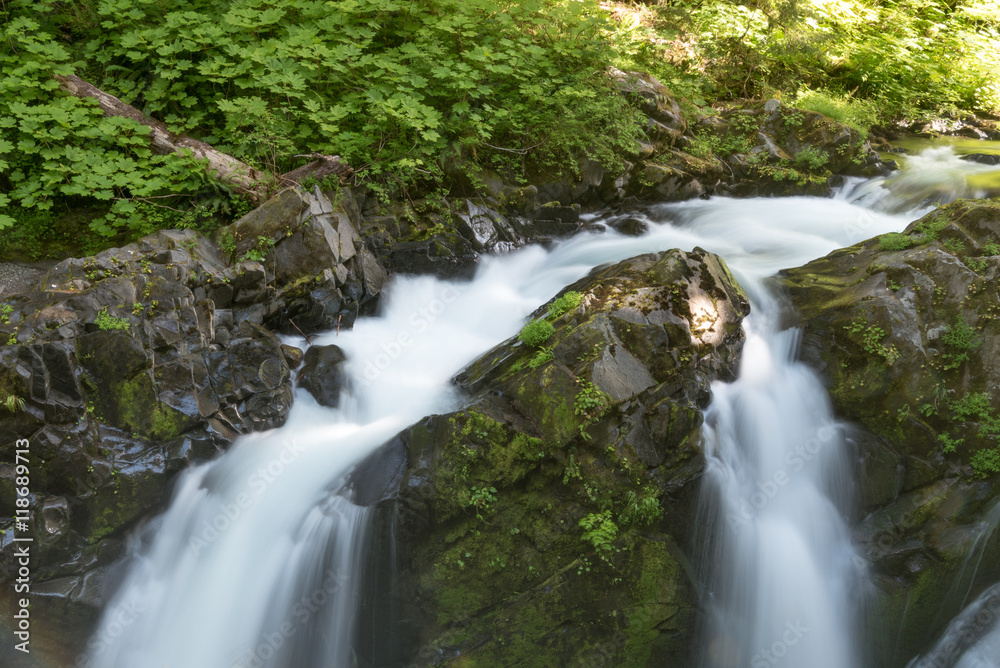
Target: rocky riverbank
x=904, y=327
x=126, y=367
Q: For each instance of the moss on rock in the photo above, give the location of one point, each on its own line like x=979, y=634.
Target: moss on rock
x=560, y=482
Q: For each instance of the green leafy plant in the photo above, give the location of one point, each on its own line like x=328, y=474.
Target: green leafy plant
x=14, y=403
x=536, y=332
x=977, y=406
x=949, y=444
x=894, y=241
x=811, y=158
x=859, y=114
x=973, y=404
x=871, y=340
x=564, y=304
x=600, y=530
x=482, y=499
x=227, y=243
x=977, y=264
x=5, y=312
x=107, y=322
x=641, y=510
x=259, y=251
x=543, y=356
x=954, y=246
x=960, y=339
x=985, y=462
x=390, y=88
x=591, y=404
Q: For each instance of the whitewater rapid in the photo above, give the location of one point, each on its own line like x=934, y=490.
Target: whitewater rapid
x=231, y=575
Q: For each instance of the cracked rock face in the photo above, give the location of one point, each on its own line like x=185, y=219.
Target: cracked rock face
x=135, y=363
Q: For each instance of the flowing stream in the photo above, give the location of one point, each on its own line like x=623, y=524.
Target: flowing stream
x=256, y=560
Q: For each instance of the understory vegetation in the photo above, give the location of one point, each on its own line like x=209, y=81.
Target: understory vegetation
x=412, y=93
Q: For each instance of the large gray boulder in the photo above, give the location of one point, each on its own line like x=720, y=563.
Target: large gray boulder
x=565, y=483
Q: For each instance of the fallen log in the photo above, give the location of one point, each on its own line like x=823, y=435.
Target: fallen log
x=322, y=167
x=253, y=183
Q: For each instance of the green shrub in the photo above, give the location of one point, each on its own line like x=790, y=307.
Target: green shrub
x=986, y=462
x=600, y=530
x=972, y=405
x=591, y=401
x=536, y=332
x=960, y=339
x=641, y=510
x=811, y=158
x=894, y=241
x=14, y=403
x=543, y=356
x=858, y=114
x=107, y=322
x=391, y=87
x=564, y=304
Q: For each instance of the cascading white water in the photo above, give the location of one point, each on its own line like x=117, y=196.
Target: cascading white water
x=972, y=639
x=935, y=176
x=256, y=561
x=783, y=577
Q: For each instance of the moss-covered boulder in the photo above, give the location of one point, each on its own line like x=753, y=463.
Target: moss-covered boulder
x=752, y=149
x=904, y=327
x=546, y=523
x=120, y=370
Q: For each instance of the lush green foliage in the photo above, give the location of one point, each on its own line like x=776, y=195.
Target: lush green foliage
x=407, y=91
x=108, y=322
x=859, y=114
x=600, y=530
x=854, y=60
x=564, y=304
x=894, y=241
x=871, y=340
x=543, y=356
x=14, y=403
x=536, y=332
x=977, y=406
x=641, y=510
x=391, y=86
x=959, y=339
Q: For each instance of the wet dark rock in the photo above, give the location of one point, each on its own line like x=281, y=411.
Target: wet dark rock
x=982, y=158
x=293, y=356
x=322, y=374
x=445, y=255
x=129, y=370
x=607, y=411
x=317, y=271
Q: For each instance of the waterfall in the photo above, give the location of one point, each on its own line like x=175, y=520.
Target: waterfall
x=257, y=560
x=972, y=639
x=784, y=580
